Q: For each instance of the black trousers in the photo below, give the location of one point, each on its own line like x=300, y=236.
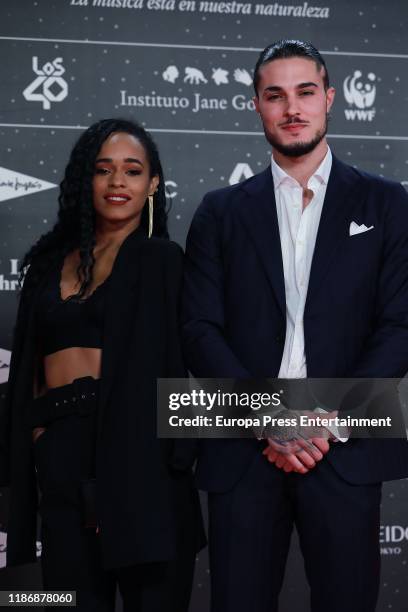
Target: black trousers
x=71, y=558
x=250, y=531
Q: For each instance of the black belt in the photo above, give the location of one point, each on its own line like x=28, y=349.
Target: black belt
x=80, y=397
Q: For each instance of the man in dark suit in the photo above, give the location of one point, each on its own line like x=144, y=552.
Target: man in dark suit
x=300, y=271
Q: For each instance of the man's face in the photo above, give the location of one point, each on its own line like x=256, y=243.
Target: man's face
x=293, y=105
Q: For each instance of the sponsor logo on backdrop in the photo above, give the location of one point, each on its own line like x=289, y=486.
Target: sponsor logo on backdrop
x=360, y=95
x=15, y=184
x=171, y=74
x=9, y=282
x=5, y=357
x=3, y=548
x=241, y=172
x=194, y=76
x=171, y=189
x=196, y=101
x=48, y=86
x=392, y=538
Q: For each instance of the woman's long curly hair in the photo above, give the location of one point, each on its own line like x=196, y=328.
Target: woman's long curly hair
x=75, y=227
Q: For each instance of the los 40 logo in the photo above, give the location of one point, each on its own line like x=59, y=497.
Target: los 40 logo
x=48, y=86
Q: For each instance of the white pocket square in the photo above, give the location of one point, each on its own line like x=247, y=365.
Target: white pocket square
x=359, y=229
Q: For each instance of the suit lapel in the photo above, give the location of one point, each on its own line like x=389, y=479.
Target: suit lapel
x=258, y=213
x=342, y=195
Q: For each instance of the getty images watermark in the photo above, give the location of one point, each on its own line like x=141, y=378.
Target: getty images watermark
x=337, y=408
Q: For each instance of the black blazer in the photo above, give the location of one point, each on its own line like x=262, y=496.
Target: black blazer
x=135, y=470
x=356, y=313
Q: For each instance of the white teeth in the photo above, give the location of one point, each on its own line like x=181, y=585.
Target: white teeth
x=117, y=199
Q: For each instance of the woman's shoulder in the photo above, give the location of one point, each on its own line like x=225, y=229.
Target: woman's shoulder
x=163, y=248
x=39, y=269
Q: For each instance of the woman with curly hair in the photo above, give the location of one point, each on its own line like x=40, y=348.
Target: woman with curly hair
x=97, y=325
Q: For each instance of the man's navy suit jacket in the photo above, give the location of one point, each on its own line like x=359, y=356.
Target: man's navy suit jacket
x=356, y=312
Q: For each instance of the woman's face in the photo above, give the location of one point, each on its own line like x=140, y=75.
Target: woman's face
x=122, y=181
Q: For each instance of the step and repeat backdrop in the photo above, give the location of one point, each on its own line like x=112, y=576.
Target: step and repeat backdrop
x=183, y=68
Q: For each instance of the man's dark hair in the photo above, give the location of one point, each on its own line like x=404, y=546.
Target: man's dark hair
x=284, y=49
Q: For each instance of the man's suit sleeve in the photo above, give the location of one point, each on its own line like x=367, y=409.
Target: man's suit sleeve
x=207, y=351
x=386, y=352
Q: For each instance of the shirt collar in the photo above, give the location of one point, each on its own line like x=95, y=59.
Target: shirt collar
x=322, y=173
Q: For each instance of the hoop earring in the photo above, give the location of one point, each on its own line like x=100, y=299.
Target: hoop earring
x=150, y=215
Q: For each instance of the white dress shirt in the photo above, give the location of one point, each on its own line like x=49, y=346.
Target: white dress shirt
x=298, y=231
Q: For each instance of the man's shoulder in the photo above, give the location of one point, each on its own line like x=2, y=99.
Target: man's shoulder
x=378, y=184
x=218, y=198
x=152, y=249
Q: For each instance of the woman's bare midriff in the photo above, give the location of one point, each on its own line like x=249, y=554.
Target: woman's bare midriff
x=63, y=367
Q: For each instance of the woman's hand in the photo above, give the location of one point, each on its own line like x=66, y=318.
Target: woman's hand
x=37, y=432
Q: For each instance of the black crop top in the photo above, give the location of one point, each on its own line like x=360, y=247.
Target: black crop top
x=69, y=323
